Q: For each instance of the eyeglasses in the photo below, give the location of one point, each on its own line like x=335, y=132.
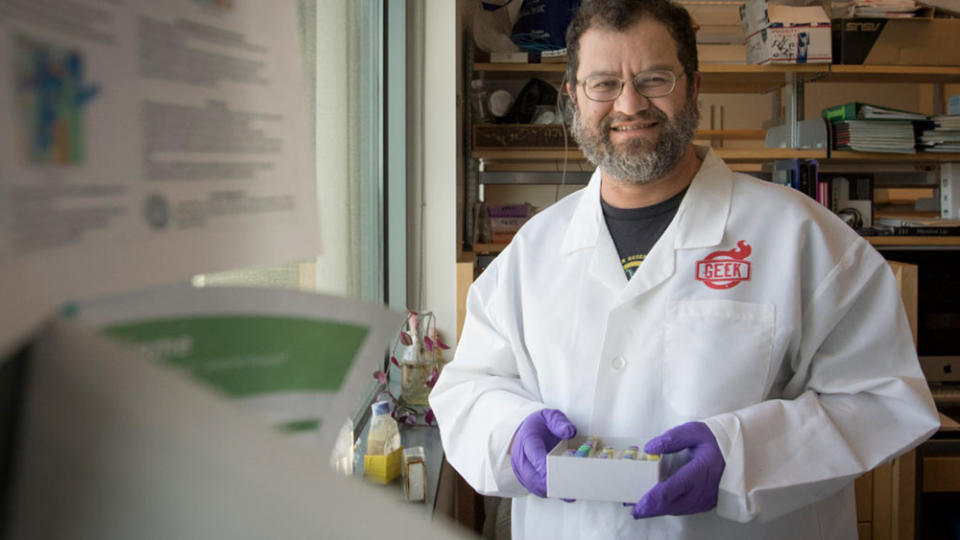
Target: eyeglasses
x=649, y=84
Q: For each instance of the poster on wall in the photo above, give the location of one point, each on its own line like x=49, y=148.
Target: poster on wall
x=142, y=142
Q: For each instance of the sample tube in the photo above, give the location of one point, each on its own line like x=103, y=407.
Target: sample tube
x=587, y=447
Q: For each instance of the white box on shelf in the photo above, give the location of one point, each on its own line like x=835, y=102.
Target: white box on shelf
x=595, y=479
x=778, y=34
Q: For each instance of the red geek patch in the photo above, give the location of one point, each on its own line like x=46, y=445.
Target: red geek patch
x=725, y=269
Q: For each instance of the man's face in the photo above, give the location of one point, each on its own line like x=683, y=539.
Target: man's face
x=634, y=138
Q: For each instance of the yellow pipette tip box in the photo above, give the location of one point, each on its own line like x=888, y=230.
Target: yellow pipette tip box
x=383, y=469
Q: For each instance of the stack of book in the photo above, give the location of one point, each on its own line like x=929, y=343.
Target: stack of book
x=886, y=9
x=861, y=127
x=944, y=136
x=916, y=226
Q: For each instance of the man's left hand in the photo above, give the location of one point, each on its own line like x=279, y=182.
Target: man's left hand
x=694, y=487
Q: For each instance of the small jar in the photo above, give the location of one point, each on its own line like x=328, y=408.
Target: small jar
x=414, y=369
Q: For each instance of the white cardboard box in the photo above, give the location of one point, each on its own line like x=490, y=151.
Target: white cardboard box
x=778, y=34
x=594, y=479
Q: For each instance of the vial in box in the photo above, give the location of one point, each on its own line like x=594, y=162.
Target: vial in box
x=592, y=479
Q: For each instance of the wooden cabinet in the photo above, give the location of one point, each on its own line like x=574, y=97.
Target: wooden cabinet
x=886, y=495
x=885, y=500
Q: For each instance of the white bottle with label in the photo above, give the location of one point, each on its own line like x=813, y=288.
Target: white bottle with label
x=384, y=435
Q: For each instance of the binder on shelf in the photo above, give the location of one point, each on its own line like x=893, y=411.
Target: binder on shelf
x=823, y=193
x=809, y=184
x=799, y=174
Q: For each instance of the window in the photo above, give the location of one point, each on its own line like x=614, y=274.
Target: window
x=342, y=44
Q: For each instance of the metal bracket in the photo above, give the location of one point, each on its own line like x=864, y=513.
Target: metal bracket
x=950, y=191
x=793, y=113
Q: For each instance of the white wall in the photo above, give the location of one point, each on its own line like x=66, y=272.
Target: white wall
x=440, y=164
x=332, y=150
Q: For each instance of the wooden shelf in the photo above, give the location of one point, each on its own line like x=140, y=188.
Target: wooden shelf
x=872, y=157
x=730, y=155
x=913, y=241
x=488, y=248
x=893, y=74
x=717, y=78
x=739, y=155
x=751, y=79
x=732, y=134
x=928, y=241
x=508, y=67
x=507, y=154
x=754, y=79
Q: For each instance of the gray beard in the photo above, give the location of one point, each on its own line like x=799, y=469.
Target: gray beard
x=635, y=162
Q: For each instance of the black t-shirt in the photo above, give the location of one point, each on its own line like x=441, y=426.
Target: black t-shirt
x=636, y=230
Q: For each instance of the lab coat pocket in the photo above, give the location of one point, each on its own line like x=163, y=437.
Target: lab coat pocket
x=716, y=355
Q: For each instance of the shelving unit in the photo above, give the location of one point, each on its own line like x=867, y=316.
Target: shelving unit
x=719, y=78
x=884, y=496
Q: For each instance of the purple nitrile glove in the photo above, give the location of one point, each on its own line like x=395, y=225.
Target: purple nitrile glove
x=694, y=487
x=537, y=435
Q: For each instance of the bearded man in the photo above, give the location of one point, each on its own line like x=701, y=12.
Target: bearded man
x=732, y=324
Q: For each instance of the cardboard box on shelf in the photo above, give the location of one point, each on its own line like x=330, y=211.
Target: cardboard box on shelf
x=595, y=479
x=778, y=34
x=717, y=22
x=710, y=53
x=913, y=41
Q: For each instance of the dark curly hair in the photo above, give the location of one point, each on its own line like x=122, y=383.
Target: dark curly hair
x=619, y=15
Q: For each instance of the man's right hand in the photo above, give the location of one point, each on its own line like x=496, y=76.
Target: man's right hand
x=537, y=435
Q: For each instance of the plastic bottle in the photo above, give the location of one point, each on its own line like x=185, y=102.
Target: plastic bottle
x=480, y=112
x=384, y=436
x=499, y=103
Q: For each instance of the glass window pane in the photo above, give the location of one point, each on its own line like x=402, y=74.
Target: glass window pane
x=344, y=90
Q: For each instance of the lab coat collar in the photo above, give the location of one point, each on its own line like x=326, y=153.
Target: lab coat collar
x=702, y=216
x=700, y=220
x=587, y=222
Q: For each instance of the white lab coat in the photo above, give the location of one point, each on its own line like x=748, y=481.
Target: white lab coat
x=806, y=372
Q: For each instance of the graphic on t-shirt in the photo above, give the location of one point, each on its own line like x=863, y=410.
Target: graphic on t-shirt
x=631, y=263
